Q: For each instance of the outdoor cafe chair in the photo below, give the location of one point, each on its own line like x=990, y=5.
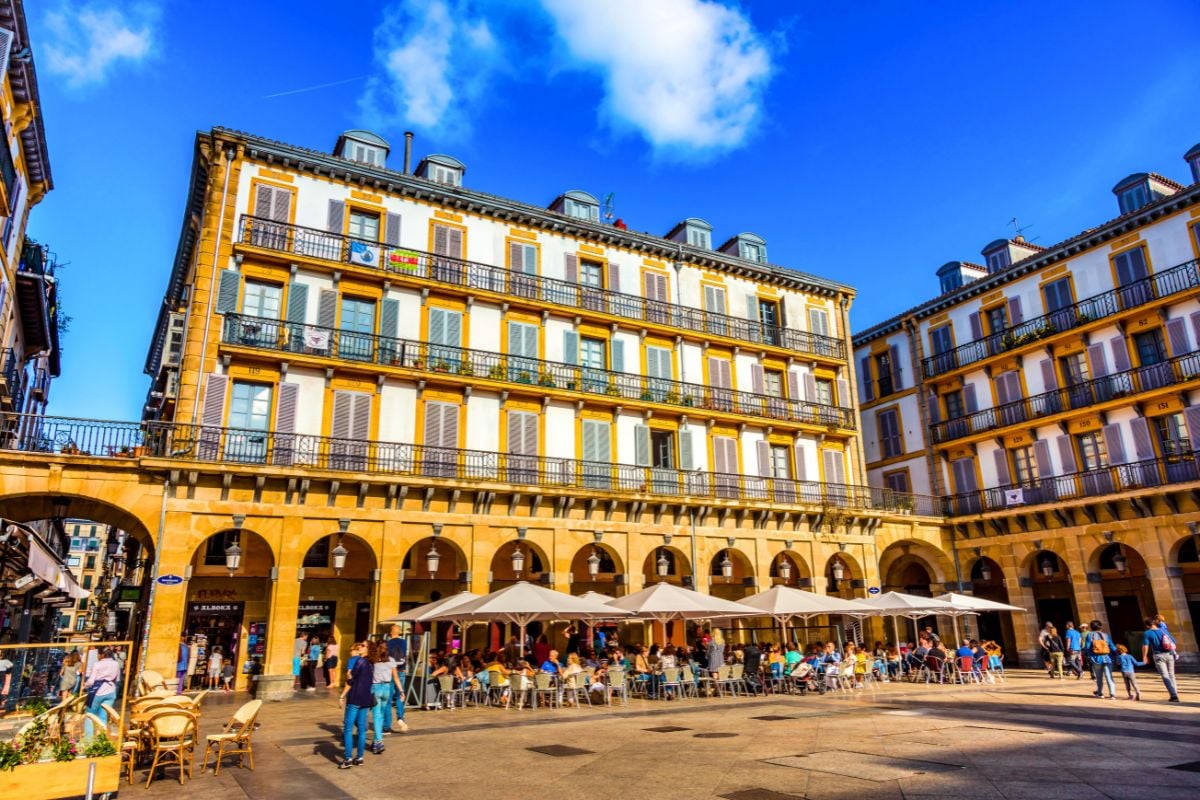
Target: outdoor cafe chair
x=576, y=686
x=522, y=690
x=617, y=685
x=544, y=686
x=149, y=681
x=450, y=696
x=966, y=670
x=688, y=681
x=934, y=668
x=724, y=680
x=672, y=682
x=131, y=740
x=172, y=739
x=737, y=674
x=234, y=739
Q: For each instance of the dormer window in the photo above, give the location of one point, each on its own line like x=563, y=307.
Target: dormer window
x=441, y=169
x=1192, y=157
x=1142, y=188
x=699, y=238
x=578, y=205
x=1133, y=198
x=997, y=261
x=749, y=246
x=951, y=281
x=362, y=146
x=692, y=231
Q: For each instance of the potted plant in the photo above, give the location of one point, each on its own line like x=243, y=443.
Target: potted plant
x=524, y=377
x=465, y=368
x=646, y=395
x=441, y=366
x=673, y=397
x=496, y=373
x=612, y=390
x=546, y=379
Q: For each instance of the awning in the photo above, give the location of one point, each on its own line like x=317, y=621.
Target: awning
x=48, y=569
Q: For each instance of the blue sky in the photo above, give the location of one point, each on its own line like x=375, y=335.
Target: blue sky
x=868, y=147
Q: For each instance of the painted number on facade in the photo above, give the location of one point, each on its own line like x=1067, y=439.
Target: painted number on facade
x=170, y=580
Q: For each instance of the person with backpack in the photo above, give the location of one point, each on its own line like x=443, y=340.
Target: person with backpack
x=1157, y=642
x=1099, y=647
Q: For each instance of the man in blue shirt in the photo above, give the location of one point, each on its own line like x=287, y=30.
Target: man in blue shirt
x=1154, y=642
x=1074, y=650
x=551, y=665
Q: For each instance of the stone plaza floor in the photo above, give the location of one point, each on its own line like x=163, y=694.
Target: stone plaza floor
x=1030, y=737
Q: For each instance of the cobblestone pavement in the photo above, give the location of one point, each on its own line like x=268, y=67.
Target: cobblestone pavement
x=1031, y=737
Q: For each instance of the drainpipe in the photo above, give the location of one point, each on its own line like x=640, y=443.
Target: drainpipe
x=408, y=139
x=852, y=386
x=162, y=524
x=212, y=286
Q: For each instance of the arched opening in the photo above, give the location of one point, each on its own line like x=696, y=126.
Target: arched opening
x=731, y=575
x=337, y=594
x=1128, y=599
x=228, y=604
x=789, y=569
x=1188, y=562
x=987, y=582
x=666, y=564
x=597, y=568
x=1053, y=598
x=434, y=568
x=844, y=577
x=909, y=574
x=515, y=561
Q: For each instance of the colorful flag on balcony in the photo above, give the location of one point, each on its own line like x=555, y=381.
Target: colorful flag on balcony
x=316, y=338
x=403, y=259
x=363, y=253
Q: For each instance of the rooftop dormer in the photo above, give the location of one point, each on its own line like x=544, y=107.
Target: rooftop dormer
x=1143, y=188
x=577, y=204
x=1192, y=157
x=693, y=231
x=749, y=246
x=441, y=169
x=954, y=274
x=362, y=146
x=1003, y=253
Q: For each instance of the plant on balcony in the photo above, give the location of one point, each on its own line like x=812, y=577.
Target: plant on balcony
x=465, y=368
x=496, y=373
x=674, y=398
x=440, y=366
x=571, y=385
x=612, y=390
x=688, y=400
x=524, y=377
x=1081, y=318
x=546, y=379
x=646, y=395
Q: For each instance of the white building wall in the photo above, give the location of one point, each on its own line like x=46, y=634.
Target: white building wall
x=398, y=412
x=560, y=430
x=483, y=417
x=310, y=403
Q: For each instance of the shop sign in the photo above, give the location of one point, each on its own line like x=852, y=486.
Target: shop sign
x=216, y=608
x=312, y=613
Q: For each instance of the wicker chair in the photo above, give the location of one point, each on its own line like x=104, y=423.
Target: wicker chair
x=149, y=681
x=172, y=739
x=234, y=738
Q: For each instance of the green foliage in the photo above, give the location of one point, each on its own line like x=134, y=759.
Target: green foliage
x=10, y=757
x=63, y=750
x=36, y=706
x=100, y=746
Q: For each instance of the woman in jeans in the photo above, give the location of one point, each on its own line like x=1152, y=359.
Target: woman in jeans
x=357, y=699
x=383, y=680
x=1099, y=647
x=102, y=677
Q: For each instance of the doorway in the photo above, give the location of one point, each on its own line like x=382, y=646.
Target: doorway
x=362, y=622
x=1125, y=621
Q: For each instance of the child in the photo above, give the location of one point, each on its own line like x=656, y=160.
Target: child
x=227, y=674
x=1127, y=663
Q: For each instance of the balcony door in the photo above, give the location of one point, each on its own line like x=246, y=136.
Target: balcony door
x=1132, y=285
x=272, y=212
x=593, y=359
x=659, y=372
x=597, y=453
x=249, y=421
x=522, y=447
x=441, y=440
x=356, y=340
x=1076, y=380
x=522, y=352
x=445, y=339
x=1153, y=371
x=261, y=301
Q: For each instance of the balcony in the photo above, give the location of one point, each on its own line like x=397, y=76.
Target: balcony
x=535, y=290
x=8, y=175
x=426, y=358
x=396, y=460
x=1175, y=280
x=1180, y=369
x=10, y=379
x=33, y=296
x=1175, y=469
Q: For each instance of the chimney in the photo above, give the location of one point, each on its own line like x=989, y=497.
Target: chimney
x=408, y=137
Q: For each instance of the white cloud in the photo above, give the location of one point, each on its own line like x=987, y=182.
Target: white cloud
x=687, y=74
x=85, y=43
x=436, y=59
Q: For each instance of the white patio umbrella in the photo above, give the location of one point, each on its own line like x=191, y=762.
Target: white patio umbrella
x=664, y=602
x=525, y=602
x=973, y=605
x=910, y=606
x=423, y=613
x=782, y=603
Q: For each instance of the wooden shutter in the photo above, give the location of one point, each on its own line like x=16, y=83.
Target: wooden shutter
x=596, y=444
x=1049, y=379
x=614, y=277
x=801, y=463
x=685, y=450
x=864, y=379
x=571, y=268
x=516, y=257
x=1195, y=316
x=764, y=458
x=720, y=462
x=843, y=398
x=1191, y=415
x=391, y=231
x=1002, y=388
x=835, y=466
x=969, y=401
x=757, y=381
x=449, y=425
x=1142, y=445
x=976, y=327
x=433, y=424
x=641, y=445
x=1115, y=444
x=343, y=403
x=454, y=243
x=964, y=476
x=715, y=373
x=441, y=240
x=522, y=433
x=389, y=318
x=894, y=358
x=335, y=219
x=935, y=411
x=570, y=347
x=212, y=412
x=327, y=308
x=437, y=326
x=1097, y=363
x=227, y=291
x=453, y=328
x=285, y=412
x=1002, y=477
x=360, y=416
x=1120, y=351
x=1177, y=334
x=1041, y=454
x=793, y=383
x=264, y=201
x=1015, y=317
x=818, y=321
x=297, y=307
x=810, y=387
x=1066, y=452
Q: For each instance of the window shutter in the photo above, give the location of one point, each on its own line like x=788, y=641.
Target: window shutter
x=864, y=380
x=894, y=357
x=1196, y=314
x=1191, y=415
x=1177, y=334
x=976, y=327
x=1049, y=379
x=441, y=240
x=1002, y=478
x=1002, y=388
x=437, y=326
x=714, y=372
x=589, y=440
x=764, y=458
x=449, y=425
x=530, y=437
x=571, y=268
x=335, y=220
x=6, y=40
x=969, y=400
x=570, y=347
x=757, y=381
x=522, y=433
x=327, y=308
x=603, y=442
x=227, y=291
x=835, y=468
x=793, y=381
x=281, y=208
x=810, y=387
x=1096, y=360
x=843, y=398
x=1066, y=452
x=1115, y=444
x=1142, y=445
x=389, y=318
x=297, y=308
x=818, y=321
x=752, y=307
x=454, y=243
x=342, y=419
x=285, y=413
x=453, y=328
x=213, y=411
x=719, y=464
x=1120, y=350
x=1041, y=454
x=641, y=445
x=801, y=464
x=964, y=476
x=392, y=230
x=617, y=349
x=433, y=424
x=935, y=411
x=685, y=450
x=360, y=416
x=516, y=257
x=614, y=277
x=1015, y=317
x=264, y=203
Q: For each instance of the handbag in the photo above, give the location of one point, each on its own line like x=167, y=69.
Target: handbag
x=90, y=695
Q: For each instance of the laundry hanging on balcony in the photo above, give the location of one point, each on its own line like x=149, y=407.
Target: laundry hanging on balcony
x=364, y=253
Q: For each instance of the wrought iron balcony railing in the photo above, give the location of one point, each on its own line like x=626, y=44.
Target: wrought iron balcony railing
x=1071, y=398
x=1172, y=281
x=472, y=275
x=292, y=337
x=198, y=443
x=1165, y=471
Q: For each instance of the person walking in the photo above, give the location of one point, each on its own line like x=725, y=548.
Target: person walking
x=299, y=648
x=384, y=682
x=1127, y=663
x=1057, y=651
x=1074, y=641
x=1161, y=645
x=68, y=677
x=356, y=700
x=309, y=676
x=1043, y=635
x=101, y=686
x=181, y=664
x=329, y=665
x=216, y=660
x=1099, y=647
x=397, y=648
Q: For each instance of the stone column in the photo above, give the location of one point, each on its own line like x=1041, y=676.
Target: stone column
x=277, y=680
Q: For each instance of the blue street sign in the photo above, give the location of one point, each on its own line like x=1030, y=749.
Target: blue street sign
x=170, y=580
x=872, y=590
